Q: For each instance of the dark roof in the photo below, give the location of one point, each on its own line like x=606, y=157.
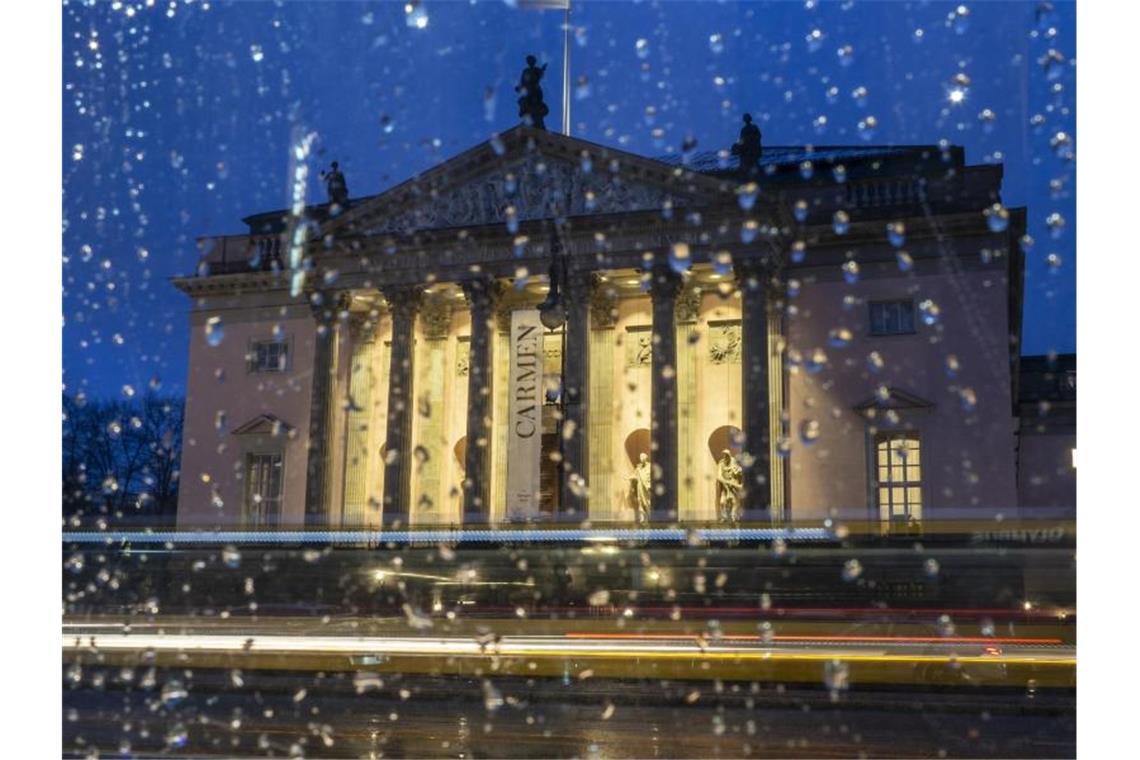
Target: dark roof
x=778, y=161
x=1048, y=378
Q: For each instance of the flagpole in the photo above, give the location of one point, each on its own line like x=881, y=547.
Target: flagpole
x=566, y=72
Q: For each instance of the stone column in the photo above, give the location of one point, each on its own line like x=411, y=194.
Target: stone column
x=429, y=440
x=754, y=277
x=600, y=412
x=480, y=294
x=358, y=435
x=326, y=312
x=688, y=448
x=663, y=399
x=403, y=302
x=501, y=356
x=575, y=387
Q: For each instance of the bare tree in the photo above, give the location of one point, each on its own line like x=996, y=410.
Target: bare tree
x=121, y=458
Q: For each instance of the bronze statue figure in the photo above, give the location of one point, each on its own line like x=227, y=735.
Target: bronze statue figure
x=730, y=481
x=748, y=147
x=532, y=108
x=336, y=185
x=640, y=489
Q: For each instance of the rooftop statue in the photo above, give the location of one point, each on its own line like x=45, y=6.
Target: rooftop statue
x=336, y=185
x=532, y=109
x=748, y=147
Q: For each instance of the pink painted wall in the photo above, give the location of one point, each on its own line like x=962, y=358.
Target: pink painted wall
x=222, y=395
x=968, y=454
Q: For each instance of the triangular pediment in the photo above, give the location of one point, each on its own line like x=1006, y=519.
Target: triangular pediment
x=527, y=174
x=263, y=424
x=894, y=398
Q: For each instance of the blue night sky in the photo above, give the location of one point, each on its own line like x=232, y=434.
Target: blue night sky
x=178, y=117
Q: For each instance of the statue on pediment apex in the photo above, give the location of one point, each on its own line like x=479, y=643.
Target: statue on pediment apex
x=532, y=108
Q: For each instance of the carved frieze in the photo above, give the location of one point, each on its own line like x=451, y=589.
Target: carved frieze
x=538, y=187
x=639, y=346
x=687, y=306
x=724, y=342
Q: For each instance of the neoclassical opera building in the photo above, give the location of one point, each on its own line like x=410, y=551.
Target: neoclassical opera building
x=845, y=324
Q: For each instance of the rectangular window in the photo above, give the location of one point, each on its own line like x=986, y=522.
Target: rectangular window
x=263, y=484
x=269, y=356
x=898, y=478
x=892, y=317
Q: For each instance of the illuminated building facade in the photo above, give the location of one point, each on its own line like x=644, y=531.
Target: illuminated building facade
x=845, y=324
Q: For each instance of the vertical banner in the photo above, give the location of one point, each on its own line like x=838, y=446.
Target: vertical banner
x=524, y=435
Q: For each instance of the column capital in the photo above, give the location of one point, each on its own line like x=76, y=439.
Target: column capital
x=688, y=306
x=403, y=300
x=665, y=283
x=435, y=315
x=328, y=305
x=481, y=291
x=603, y=305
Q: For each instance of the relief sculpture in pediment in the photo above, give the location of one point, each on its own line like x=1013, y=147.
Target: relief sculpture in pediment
x=539, y=186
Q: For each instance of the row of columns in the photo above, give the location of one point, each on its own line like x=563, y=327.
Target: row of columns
x=753, y=275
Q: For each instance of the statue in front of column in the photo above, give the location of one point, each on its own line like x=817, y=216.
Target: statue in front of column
x=730, y=482
x=532, y=108
x=748, y=147
x=640, y=485
x=337, y=186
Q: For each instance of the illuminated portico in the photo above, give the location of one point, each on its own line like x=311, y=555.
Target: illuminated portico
x=678, y=298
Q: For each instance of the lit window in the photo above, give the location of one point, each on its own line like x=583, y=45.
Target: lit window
x=263, y=490
x=898, y=477
x=269, y=356
x=892, y=317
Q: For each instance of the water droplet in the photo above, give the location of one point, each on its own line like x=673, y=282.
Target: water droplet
x=749, y=230
x=599, y=598
x=836, y=676
x=75, y=563
x=859, y=95
x=800, y=211
x=215, y=331
x=968, y=398
x=852, y=569
x=231, y=557
x=867, y=127
x=841, y=222
x=416, y=15
x=799, y=251
x=815, y=361
x=642, y=48
x=945, y=625
x=840, y=337
x=851, y=272
x=177, y=736
x=997, y=217
x=746, y=195
x=578, y=486
x=510, y=213
x=680, y=258
x=952, y=365
x=846, y=55
x=930, y=311
x=173, y=692
x=722, y=263
x=807, y=171
x=793, y=288
x=1062, y=144
x=987, y=627
x=875, y=361
x=582, y=87
x=959, y=19
x=716, y=44
x=896, y=234
x=931, y=567
x=839, y=173
x=809, y=431
x=905, y=262
x=783, y=447
x=1053, y=261
x=1056, y=224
